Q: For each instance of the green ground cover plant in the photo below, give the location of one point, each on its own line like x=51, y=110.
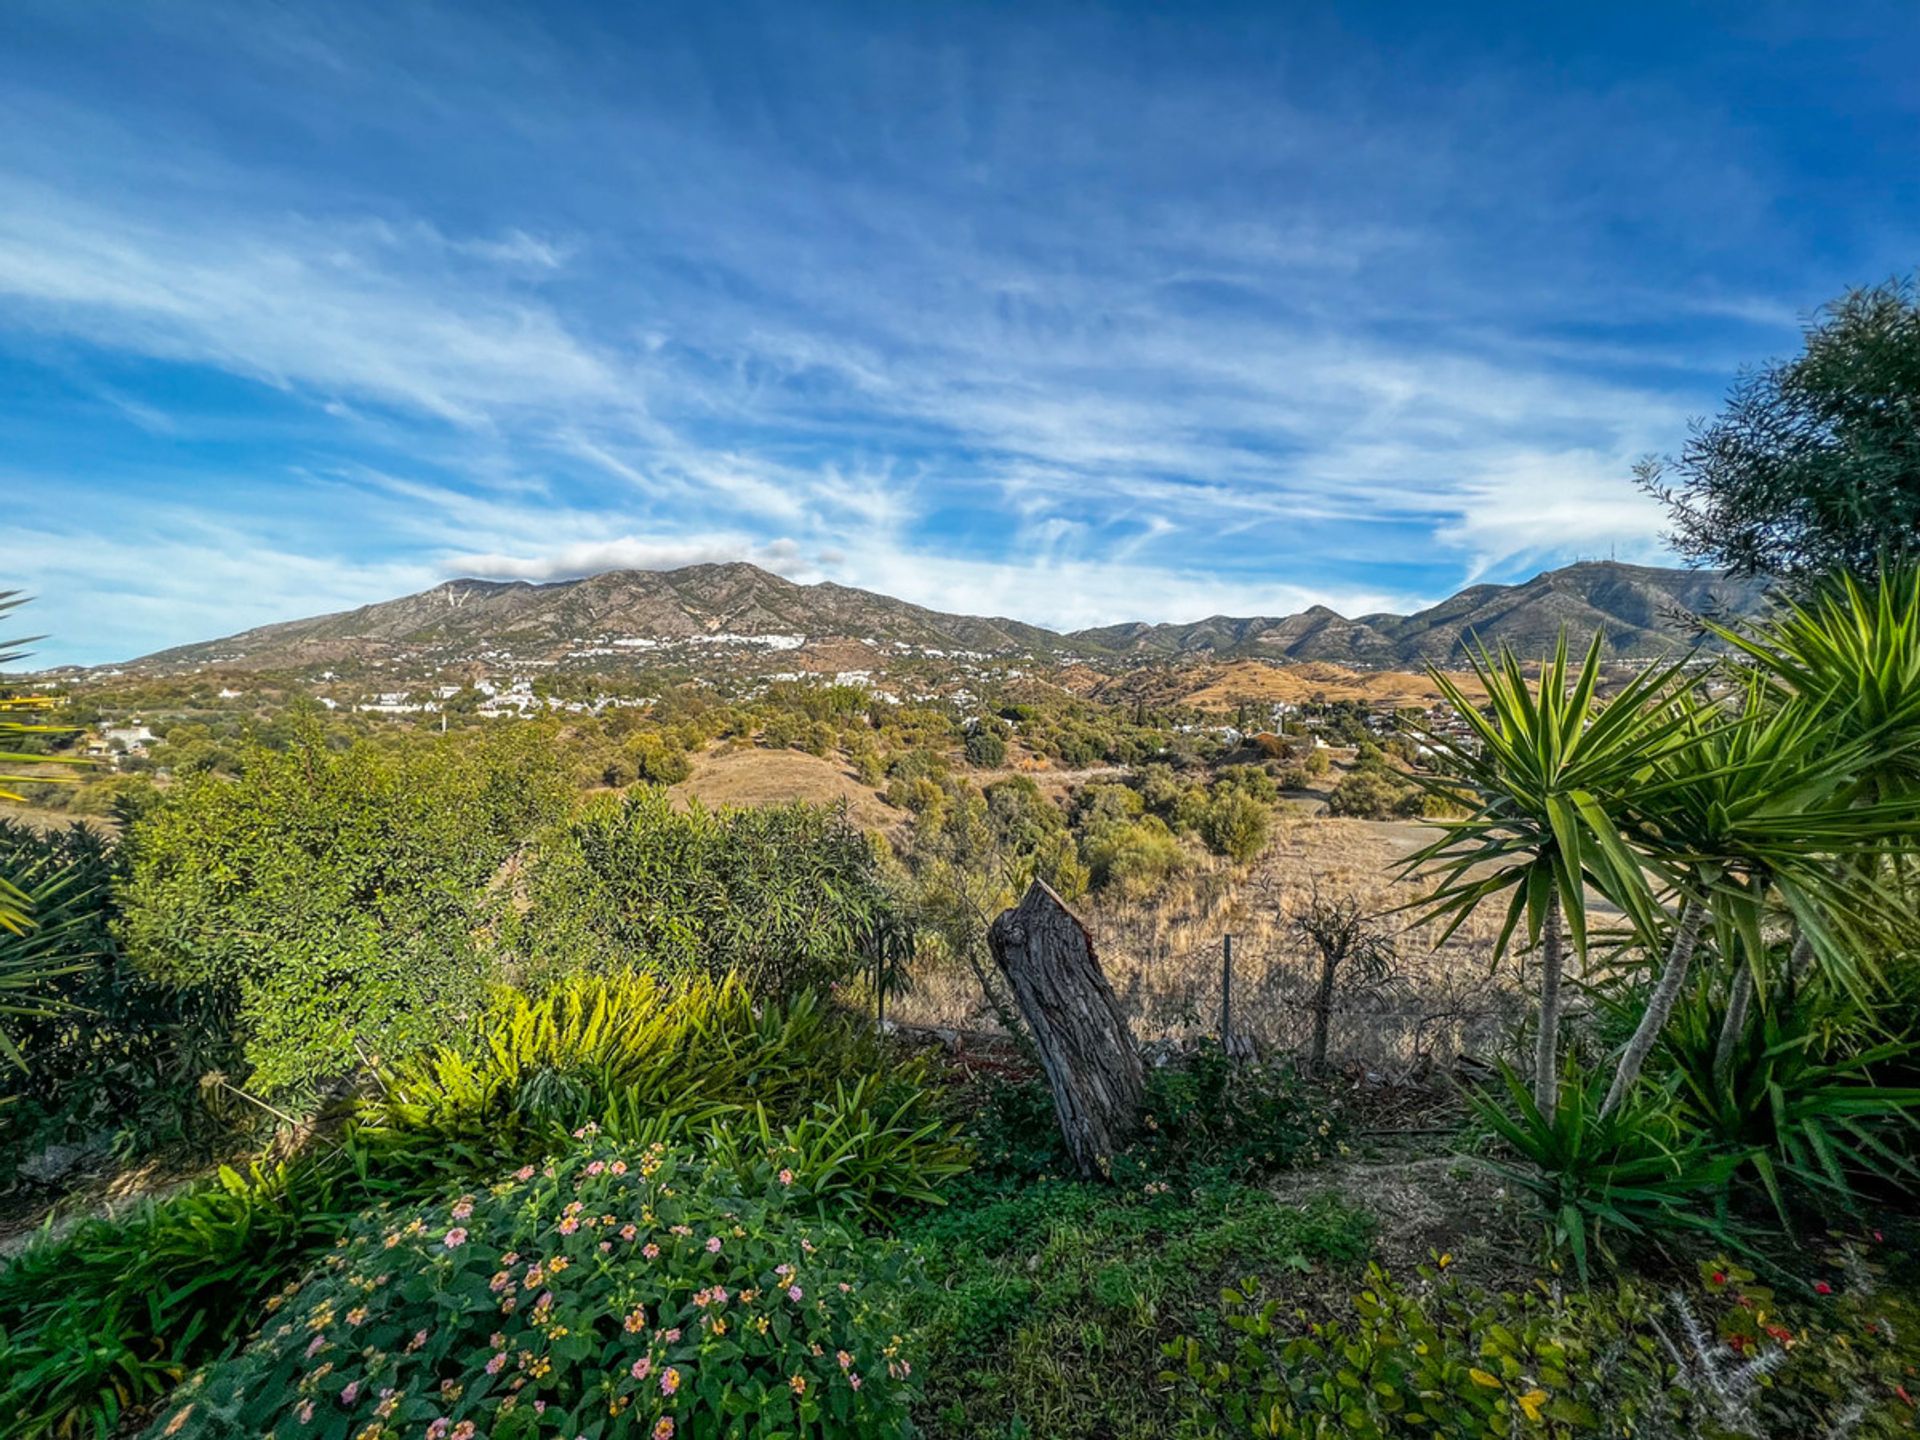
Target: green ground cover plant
x=110, y=1316
x=1445, y=1356
x=614, y=1292
x=1050, y=1300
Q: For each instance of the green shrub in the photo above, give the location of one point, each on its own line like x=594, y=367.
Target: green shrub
x=613, y=1292
x=1211, y=1117
x=337, y=893
x=986, y=749
x=1207, y=1119
x=1234, y=823
x=1446, y=1358
x=1135, y=857
x=109, y=1316
x=114, y=1051
x=1376, y=792
x=790, y=897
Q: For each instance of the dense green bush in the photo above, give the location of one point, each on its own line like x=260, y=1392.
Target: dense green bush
x=790, y=897
x=1207, y=1119
x=613, y=1292
x=106, y=1052
x=337, y=893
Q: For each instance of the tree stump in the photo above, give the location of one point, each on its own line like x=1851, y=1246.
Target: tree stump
x=1085, y=1047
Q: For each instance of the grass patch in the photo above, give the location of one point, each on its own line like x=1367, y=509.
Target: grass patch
x=1050, y=1302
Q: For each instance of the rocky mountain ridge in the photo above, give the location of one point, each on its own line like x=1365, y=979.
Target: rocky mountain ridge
x=701, y=609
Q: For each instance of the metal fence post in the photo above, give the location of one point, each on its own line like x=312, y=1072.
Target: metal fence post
x=1226, y=993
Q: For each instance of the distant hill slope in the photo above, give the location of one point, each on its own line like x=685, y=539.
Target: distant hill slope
x=636, y=612
x=1635, y=605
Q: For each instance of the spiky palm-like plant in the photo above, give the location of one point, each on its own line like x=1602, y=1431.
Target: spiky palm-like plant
x=1544, y=775
x=28, y=960
x=1752, y=807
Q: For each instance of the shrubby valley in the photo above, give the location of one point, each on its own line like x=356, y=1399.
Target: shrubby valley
x=421, y=1024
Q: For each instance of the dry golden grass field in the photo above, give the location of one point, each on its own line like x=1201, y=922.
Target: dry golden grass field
x=750, y=775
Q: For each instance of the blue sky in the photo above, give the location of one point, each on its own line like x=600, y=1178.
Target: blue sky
x=1072, y=313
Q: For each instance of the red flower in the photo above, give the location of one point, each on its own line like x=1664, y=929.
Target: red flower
x=1821, y=1287
x=1719, y=1277
x=1901, y=1391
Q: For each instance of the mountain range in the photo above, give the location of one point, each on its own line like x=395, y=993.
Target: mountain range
x=642, y=613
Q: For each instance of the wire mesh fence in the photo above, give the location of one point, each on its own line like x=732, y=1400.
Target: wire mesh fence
x=1263, y=995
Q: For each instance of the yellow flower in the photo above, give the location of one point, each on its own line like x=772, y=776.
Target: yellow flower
x=1531, y=1403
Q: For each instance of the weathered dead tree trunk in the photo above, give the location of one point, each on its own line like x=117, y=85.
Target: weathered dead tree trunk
x=1085, y=1047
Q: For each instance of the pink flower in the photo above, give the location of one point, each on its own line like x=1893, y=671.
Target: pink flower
x=464, y=1430
x=438, y=1429
x=628, y=1232
x=794, y=1292
x=605, y=1246
x=1821, y=1287
x=305, y=1412
x=671, y=1336
x=669, y=1381
x=456, y=1237
x=786, y=1177
x=350, y=1392
x=713, y=1244
x=314, y=1345
x=497, y=1363
x=596, y=1166
x=619, y=1167
x=650, y=1250
x=525, y=1172
x=663, y=1428
x=642, y=1367
x=568, y=1225
x=854, y=1381
x=463, y=1207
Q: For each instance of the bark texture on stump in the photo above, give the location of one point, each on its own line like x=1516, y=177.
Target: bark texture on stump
x=1085, y=1047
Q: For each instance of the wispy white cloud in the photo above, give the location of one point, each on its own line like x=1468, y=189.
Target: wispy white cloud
x=1095, y=321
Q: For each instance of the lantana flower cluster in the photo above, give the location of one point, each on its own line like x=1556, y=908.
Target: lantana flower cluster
x=606, y=1294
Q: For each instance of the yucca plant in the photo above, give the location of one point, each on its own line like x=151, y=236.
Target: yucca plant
x=1802, y=1105
x=28, y=963
x=1543, y=776
x=1633, y=1172
x=1748, y=811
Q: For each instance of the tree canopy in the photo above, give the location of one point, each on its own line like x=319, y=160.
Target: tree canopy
x=1814, y=463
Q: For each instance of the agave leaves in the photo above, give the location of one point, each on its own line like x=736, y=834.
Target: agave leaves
x=1630, y=1173
x=1852, y=655
x=1543, y=775
x=1801, y=1102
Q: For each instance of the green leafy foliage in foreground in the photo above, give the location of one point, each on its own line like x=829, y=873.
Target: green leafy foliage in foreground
x=105, y=1049
x=1207, y=1120
x=337, y=894
x=614, y=1293
x=1051, y=1301
x=113, y=1314
x=1448, y=1359
x=788, y=896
